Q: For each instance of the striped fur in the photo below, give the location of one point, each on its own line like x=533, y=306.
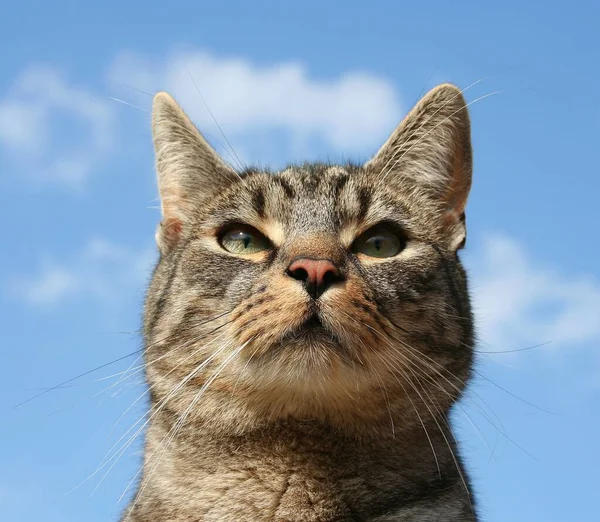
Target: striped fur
x=254, y=417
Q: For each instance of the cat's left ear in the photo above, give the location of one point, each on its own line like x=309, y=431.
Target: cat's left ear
x=189, y=170
x=430, y=154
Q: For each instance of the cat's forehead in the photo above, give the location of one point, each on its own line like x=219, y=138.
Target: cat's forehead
x=304, y=182
x=317, y=196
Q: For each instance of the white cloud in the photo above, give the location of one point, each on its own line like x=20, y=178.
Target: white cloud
x=102, y=271
x=51, y=285
x=519, y=303
x=54, y=130
x=352, y=113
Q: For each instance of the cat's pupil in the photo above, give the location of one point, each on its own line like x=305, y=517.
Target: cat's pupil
x=243, y=238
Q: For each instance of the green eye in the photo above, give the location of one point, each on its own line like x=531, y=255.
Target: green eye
x=379, y=242
x=243, y=239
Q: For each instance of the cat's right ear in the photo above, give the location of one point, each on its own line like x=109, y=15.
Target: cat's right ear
x=189, y=170
x=429, y=154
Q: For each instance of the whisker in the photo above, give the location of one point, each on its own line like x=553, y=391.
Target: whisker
x=513, y=395
x=437, y=384
x=514, y=351
x=442, y=432
x=420, y=355
x=135, y=89
x=437, y=462
x=172, y=433
x=226, y=150
x=105, y=365
x=405, y=393
x=72, y=379
x=386, y=397
x=244, y=369
x=169, y=352
x=478, y=373
x=142, y=367
x=118, y=453
x=128, y=104
x=427, y=120
x=116, y=456
x=436, y=126
x=163, y=377
x=240, y=164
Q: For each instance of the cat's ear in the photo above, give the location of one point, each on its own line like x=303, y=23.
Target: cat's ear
x=189, y=170
x=430, y=153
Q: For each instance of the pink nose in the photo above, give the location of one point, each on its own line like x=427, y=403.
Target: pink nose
x=316, y=274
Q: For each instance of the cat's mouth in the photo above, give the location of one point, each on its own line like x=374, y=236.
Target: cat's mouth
x=312, y=329
x=313, y=322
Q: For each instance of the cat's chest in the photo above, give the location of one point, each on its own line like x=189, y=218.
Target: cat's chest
x=288, y=480
x=280, y=487
x=215, y=483
x=249, y=496
x=264, y=495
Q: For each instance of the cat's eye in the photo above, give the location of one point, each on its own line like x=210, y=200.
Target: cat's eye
x=244, y=239
x=379, y=241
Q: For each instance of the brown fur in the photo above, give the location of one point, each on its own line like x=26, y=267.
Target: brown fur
x=256, y=416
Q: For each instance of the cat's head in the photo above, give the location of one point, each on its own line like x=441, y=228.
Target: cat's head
x=319, y=291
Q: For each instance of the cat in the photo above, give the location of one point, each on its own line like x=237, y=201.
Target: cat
x=308, y=331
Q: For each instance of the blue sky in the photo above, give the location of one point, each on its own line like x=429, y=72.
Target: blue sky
x=316, y=80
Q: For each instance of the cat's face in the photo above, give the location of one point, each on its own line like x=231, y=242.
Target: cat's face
x=316, y=291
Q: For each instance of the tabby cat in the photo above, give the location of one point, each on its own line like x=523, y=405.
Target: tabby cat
x=308, y=331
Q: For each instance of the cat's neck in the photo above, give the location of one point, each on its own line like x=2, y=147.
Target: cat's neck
x=301, y=465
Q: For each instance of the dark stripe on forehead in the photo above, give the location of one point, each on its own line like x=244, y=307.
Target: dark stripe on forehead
x=340, y=183
x=341, y=212
x=258, y=202
x=287, y=188
x=310, y=182
x=364, y=202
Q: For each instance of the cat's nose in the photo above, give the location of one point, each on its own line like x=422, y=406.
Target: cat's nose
x=316, y=274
